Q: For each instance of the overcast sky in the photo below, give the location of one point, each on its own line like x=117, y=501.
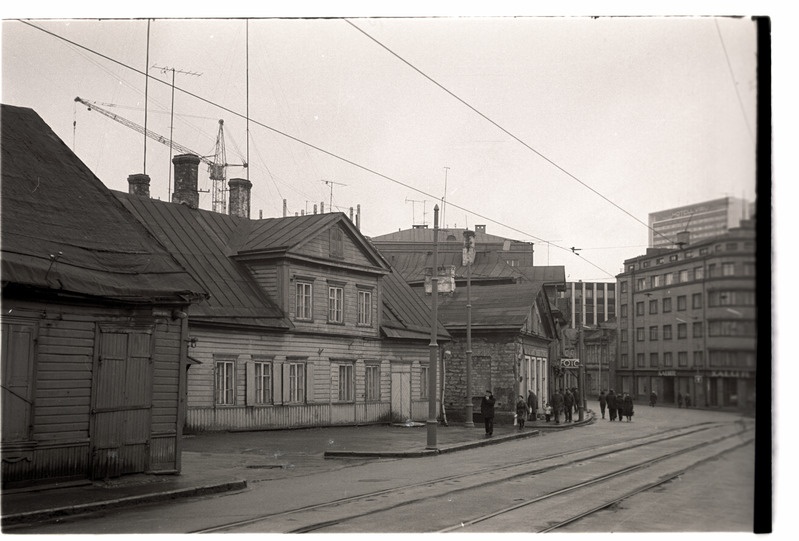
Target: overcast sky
x=573, y=129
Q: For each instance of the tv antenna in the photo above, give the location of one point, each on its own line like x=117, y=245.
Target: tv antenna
x=331, y=184
x=424, y=214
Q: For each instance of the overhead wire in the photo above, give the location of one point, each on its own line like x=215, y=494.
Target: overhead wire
x=330, y=153
x=732, y=78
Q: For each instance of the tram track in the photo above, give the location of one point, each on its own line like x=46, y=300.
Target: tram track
x=440, y=486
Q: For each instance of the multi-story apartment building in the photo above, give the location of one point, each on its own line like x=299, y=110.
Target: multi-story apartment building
x=588, y=303
x=688, y=322
x=701, y=221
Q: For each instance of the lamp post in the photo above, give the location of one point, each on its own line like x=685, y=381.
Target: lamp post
x=468, y=254
x=432, y=422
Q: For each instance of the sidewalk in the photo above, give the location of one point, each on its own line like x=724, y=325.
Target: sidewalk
x=216, y=462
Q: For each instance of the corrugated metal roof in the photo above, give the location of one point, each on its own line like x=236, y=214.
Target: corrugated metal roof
x=199, y=240
x=63, y=229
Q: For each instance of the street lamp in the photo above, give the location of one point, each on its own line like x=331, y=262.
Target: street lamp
x=468, y=257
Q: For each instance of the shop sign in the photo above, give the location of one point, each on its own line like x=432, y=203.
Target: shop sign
x=667, y=372
x=570, y=363
x=729, y=374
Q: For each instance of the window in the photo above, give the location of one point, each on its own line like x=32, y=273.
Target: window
x=624, y=287
x=225, y=383
x=682, y=358
x=345, y=383
x=653, y=333
x=640, y=284
x=653, y=360
x=712, y=271
x=732, y=298
x=17, y=377
x=623, y=310
x=731, y=246
x=639, y=360
x=646, y=264
x=683, y=276
x=669, y=278
x=263, y=382
x=304, y=300
x=624, y=335
x=336, y=243
x=732, y=328
x=666, y=332
x=625, y=361
x=364, y=307
x=682, y=330
x=653, y=306
x=335, y=306
x=696, y=300
x=698, y=329
x=698, y=358
x=296, y=382
x=682, y=303
x=699, y=273
x=749, y=269
x=639, y=309
x=728, y=269
x=639, y=334
x=666, y=305
x=657, y=281
x=424, y=374
x=667, y=360
x=372, y=382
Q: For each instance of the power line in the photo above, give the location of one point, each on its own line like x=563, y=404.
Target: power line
x=732, y=78
x=319, y=149
x=495, y=124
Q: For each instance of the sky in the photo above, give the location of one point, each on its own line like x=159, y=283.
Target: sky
x=561, y=131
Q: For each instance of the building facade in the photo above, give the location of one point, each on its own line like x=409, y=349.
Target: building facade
x=701, y=221
x=688, y=322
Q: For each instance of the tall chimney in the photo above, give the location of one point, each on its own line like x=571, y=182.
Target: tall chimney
x=239, y=197
x=139, y=184
x=358, y=218
x=186, y=166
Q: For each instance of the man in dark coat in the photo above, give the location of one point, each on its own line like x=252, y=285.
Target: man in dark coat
x=568, y=404
x=532, y=405
x=612, y=405
x=557, y=405
x=603, y=402
x=627, y=407
x=487, y=410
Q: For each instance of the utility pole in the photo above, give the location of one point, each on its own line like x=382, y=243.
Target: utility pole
x=468, y=256
x=581, y=375
x=432, y=422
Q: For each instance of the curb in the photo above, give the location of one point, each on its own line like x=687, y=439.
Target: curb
x=44, y=514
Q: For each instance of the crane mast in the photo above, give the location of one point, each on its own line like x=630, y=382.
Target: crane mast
x=217, y=167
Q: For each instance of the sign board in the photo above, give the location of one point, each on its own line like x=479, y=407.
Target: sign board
x=570, y=363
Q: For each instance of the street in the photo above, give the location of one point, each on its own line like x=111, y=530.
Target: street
x=437, y=493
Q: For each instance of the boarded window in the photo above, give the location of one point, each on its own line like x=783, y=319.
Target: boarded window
x=18, y=339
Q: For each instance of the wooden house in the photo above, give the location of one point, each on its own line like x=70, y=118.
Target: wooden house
x=306, y=324
x=93, y=321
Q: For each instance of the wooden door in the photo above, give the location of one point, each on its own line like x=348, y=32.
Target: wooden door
x=122, y=398
x=401, y=392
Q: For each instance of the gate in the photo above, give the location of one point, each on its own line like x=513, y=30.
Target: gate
x=122, y=397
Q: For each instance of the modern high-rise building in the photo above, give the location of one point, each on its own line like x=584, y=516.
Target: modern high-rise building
x=667, y=228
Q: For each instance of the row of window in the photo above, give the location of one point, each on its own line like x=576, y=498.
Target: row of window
x=692, y=275
x=748, y=246
x=715, y=299
x=716, y=328
x=304, y=308
x=261, y=382
x=717, y=359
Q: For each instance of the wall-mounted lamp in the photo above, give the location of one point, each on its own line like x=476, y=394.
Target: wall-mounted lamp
x=179, y=314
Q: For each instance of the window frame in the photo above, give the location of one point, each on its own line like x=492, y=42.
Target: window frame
x=364, y=310
x=264, y=394
x=222, y=377
x=372, y=391
x=307, y=300
x=346, y=382
x=335, y=306
x=297, y=388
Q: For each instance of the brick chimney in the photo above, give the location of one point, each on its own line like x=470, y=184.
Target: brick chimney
x=186, y=169
x=239, y=197
x=139, y=184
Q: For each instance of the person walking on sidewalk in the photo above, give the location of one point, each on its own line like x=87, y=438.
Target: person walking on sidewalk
x=487, y=409
x=521, y=411
x=557, y=406
x=627, y=408
x=568, y=404
x=548, y=412
x=687, y=400
x=603, y=401
x=653, y=398
x=612, y=405
x=532, y=405
x=679, y=400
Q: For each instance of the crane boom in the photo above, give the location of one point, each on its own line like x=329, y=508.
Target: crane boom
x=149, y=133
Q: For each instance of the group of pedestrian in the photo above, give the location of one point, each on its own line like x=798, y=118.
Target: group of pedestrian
x=616, y=405
x=680, y=399
x=526, y=409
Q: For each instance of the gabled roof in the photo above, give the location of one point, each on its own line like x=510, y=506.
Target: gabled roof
x=62, y=229
x=494, y=306
x=199, y=239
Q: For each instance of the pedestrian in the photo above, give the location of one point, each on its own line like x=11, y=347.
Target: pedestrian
x=487, y=409
x=612, y=405
x=687, y=400
x=627, y=407
x=532, y=405
x=557, y=405
x=653, y=398
x=603, y=402
x=548, y=412
x=521, y=411
x=568, y=404
x=679, y=400
x=577, y=401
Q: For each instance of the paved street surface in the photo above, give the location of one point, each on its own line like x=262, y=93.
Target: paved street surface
x=285, y=470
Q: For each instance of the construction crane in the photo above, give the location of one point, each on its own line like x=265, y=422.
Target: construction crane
x=217, y=165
